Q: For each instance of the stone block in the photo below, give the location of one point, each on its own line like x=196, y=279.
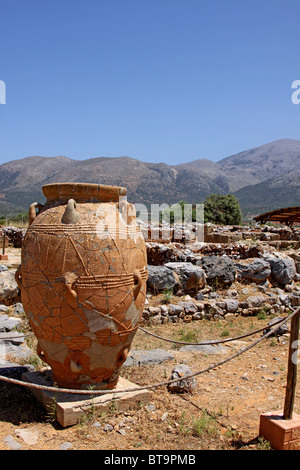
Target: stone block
x=69, y=407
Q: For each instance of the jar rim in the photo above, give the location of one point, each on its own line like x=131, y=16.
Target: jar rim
x=83, y=192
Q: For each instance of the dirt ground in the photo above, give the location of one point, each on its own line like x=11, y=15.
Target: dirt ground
x=222, y=413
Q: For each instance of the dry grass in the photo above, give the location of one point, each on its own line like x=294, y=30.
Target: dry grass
x=222, y=413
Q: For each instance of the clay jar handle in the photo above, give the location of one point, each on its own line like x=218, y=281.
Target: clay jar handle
x=138, y=281
x=127, y=211
x=32, y=211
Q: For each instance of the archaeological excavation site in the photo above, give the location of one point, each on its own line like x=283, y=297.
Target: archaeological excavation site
x=121, y=334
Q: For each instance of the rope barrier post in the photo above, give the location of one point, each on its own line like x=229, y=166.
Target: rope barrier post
x=3, y=256
x=292, y=367
x=282, y=430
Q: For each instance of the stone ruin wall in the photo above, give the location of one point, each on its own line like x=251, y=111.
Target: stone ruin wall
x=234, y=270
x=210, y=233
x=219, y=289
x=11, y=236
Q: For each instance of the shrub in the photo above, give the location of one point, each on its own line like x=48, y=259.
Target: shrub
x=222, y=210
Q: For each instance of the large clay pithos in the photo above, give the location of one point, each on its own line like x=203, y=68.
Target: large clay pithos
x=83, y=281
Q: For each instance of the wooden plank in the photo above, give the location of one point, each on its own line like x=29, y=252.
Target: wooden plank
x=280, y=214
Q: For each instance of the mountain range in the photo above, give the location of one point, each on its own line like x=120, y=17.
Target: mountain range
x=262, y=178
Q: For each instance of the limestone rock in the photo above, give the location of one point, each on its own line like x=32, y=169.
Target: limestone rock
x=184, y=385
x=9, y=289
x=160, y=278
x=154, y=356
x=256, y=300
x=231, y=305
x=191, y=277
x=18, y=309
x=279, y=331
x=295, y=299
x=12, y=345
x=254, y=269
x=12, y=443
x=175, y=309
x=220, y=270
x=205, y=348
x=8, y=323
x=29, y=436
x=283, y=268
x=189, y=307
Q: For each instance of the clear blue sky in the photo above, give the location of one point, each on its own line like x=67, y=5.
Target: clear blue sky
x=157, y=80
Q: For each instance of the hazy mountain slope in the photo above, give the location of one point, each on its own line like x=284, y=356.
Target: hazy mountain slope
x=31, y=170
x=251, y=166
x=261, y=163
x=21, y=180
x=145, y=182
x=262, y=178
x=277, y=193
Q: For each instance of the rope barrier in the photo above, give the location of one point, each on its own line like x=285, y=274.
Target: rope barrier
x=209, y=342
x=151, y=386
x=9, y=338
x=201, y=343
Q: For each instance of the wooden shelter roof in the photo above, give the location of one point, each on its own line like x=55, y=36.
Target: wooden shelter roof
x=287, y=216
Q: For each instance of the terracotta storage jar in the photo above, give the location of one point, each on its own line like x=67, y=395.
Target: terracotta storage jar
x=83, y=281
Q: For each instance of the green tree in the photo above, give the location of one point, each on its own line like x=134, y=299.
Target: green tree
x=222, y=209
x=178, y=213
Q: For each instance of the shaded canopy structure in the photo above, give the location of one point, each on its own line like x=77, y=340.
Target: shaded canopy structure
x=287, y=216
